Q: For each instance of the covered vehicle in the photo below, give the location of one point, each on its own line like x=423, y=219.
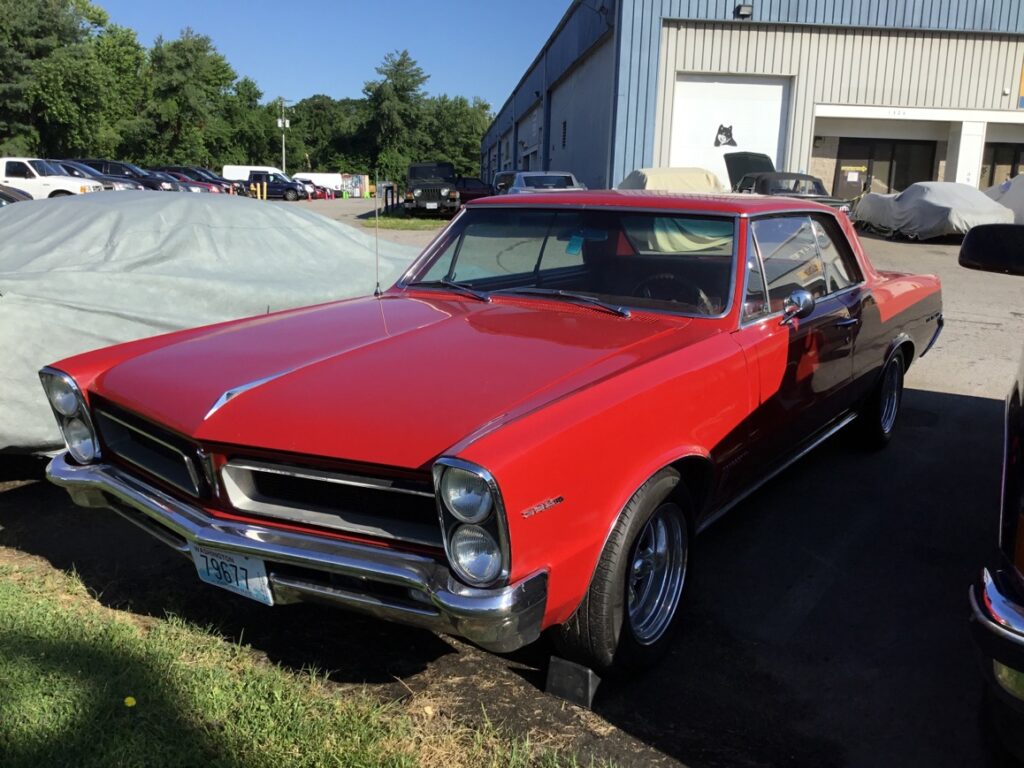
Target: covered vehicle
x=85, y=272
x=930, y=209
x=673, y=180
x=525, y=432
x=1011, y=194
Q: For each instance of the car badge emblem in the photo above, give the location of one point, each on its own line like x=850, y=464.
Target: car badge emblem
x=544, y=505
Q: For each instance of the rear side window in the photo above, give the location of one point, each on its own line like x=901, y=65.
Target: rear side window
x=790, y=257
x=839, y=264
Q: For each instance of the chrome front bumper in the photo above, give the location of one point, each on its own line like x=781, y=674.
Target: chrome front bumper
x=397, y=586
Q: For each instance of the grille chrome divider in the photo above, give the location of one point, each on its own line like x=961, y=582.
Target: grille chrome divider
x=326, y=476
x=118, y=451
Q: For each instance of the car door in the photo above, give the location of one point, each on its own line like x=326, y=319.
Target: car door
x=19, y=174
x=804, y=366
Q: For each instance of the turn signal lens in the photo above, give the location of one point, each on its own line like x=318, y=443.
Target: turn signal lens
x=475, y=554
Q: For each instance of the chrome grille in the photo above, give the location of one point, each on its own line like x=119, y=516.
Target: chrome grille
x=375, y=507
x=149, y=448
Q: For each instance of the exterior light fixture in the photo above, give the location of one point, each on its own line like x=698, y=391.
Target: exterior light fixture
x=744, y=11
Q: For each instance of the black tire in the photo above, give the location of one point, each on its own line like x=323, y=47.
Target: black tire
x=601, y=633
x=60, y=193
x=291, y=195
x=879, y=416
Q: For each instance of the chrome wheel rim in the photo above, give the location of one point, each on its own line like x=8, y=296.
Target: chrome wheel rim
x=657, y=571
x=890, y=396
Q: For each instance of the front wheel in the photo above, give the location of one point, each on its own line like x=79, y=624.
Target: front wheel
x=60, y=193
x=630, y=613
x=291, y=195
x=877, y=419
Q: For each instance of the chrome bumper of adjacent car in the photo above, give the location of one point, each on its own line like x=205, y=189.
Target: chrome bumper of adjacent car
x=996, y=609
x=397, y=586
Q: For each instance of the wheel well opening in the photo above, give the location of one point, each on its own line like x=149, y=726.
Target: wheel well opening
x=696, y=475
x=907, y=348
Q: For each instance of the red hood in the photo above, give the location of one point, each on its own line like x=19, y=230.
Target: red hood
x=394, y=381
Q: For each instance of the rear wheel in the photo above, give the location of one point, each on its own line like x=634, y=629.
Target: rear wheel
x=631, y=610
x=877, y=419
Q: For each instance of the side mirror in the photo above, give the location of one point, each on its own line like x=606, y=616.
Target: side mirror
x=501, y=186
x=799, y=303
x=994, y=248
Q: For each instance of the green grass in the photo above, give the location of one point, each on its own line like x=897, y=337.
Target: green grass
x=68, y=666
x=399, y=220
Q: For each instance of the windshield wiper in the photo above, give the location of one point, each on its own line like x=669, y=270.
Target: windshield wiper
x=571, y=295
x=453, y=286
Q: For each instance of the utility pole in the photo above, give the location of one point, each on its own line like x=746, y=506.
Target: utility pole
x=283, y=125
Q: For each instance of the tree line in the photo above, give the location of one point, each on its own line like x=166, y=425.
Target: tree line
x=73, y=84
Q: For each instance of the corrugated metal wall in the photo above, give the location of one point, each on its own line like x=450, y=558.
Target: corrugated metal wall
x=835, y=65
x=959, y=15
x=640, y=33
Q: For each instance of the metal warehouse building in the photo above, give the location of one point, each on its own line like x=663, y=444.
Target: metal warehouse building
x=863, y=93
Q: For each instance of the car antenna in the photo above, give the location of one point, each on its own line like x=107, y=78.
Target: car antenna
x=376, y=233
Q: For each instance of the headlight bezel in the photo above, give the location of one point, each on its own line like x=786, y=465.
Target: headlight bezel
x=494, y=523
x=80, y=414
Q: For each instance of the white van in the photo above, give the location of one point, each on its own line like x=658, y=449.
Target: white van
x=40, y=179
x=241, y=172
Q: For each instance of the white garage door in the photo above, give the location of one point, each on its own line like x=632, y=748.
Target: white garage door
x=715, y=114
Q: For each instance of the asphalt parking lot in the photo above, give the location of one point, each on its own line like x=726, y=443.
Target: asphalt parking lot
x=826, y=617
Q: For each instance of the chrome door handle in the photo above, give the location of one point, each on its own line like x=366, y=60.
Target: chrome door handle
x=847, y=323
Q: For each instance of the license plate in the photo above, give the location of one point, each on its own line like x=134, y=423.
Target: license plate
x=431, y=206
x=236, y=573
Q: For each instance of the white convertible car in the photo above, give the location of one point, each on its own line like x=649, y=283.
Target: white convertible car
x=93, y=270
x=930, y=209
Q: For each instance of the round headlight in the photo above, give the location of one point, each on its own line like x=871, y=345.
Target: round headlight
x=417, y=192
x=475, y=554
x=466, y=494
x=81, y=440
x=444, y=191
x=62, y=395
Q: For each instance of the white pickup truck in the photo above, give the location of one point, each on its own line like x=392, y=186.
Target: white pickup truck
x=40, y=179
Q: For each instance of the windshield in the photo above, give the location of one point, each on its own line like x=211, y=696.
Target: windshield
x=44, y=168
x=438, y=171
x=136, y=170
x=551, y=181
x=665, y=261
x=796, y=187
x=77, y=169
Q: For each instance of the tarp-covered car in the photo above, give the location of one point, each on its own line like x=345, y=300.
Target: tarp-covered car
x=930, y=209
x=1011, y=194
x=673, y=180
x=93, y=270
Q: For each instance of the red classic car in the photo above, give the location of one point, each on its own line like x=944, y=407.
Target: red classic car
x=526, y=431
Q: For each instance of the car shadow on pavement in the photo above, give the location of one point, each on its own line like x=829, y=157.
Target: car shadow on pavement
x=826, y=616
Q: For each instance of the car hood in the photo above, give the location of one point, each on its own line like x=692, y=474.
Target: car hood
x=393, y=381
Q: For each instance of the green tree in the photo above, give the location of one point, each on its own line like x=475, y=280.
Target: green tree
x=456, y=126
x=31, y=31
x=397, y=107
x=190, y=84
x=121, y=130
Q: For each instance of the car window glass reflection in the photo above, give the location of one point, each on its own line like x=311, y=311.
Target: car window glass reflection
x=790, y=255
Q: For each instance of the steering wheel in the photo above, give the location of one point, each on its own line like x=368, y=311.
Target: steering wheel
x=666, y=286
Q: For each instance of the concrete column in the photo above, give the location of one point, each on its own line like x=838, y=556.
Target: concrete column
x=963, y=157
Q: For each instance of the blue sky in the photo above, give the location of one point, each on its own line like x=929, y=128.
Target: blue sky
x=296, y=49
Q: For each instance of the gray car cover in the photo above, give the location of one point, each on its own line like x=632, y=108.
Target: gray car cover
x=1011, y=194
x=82, y=272
x=930, y=209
